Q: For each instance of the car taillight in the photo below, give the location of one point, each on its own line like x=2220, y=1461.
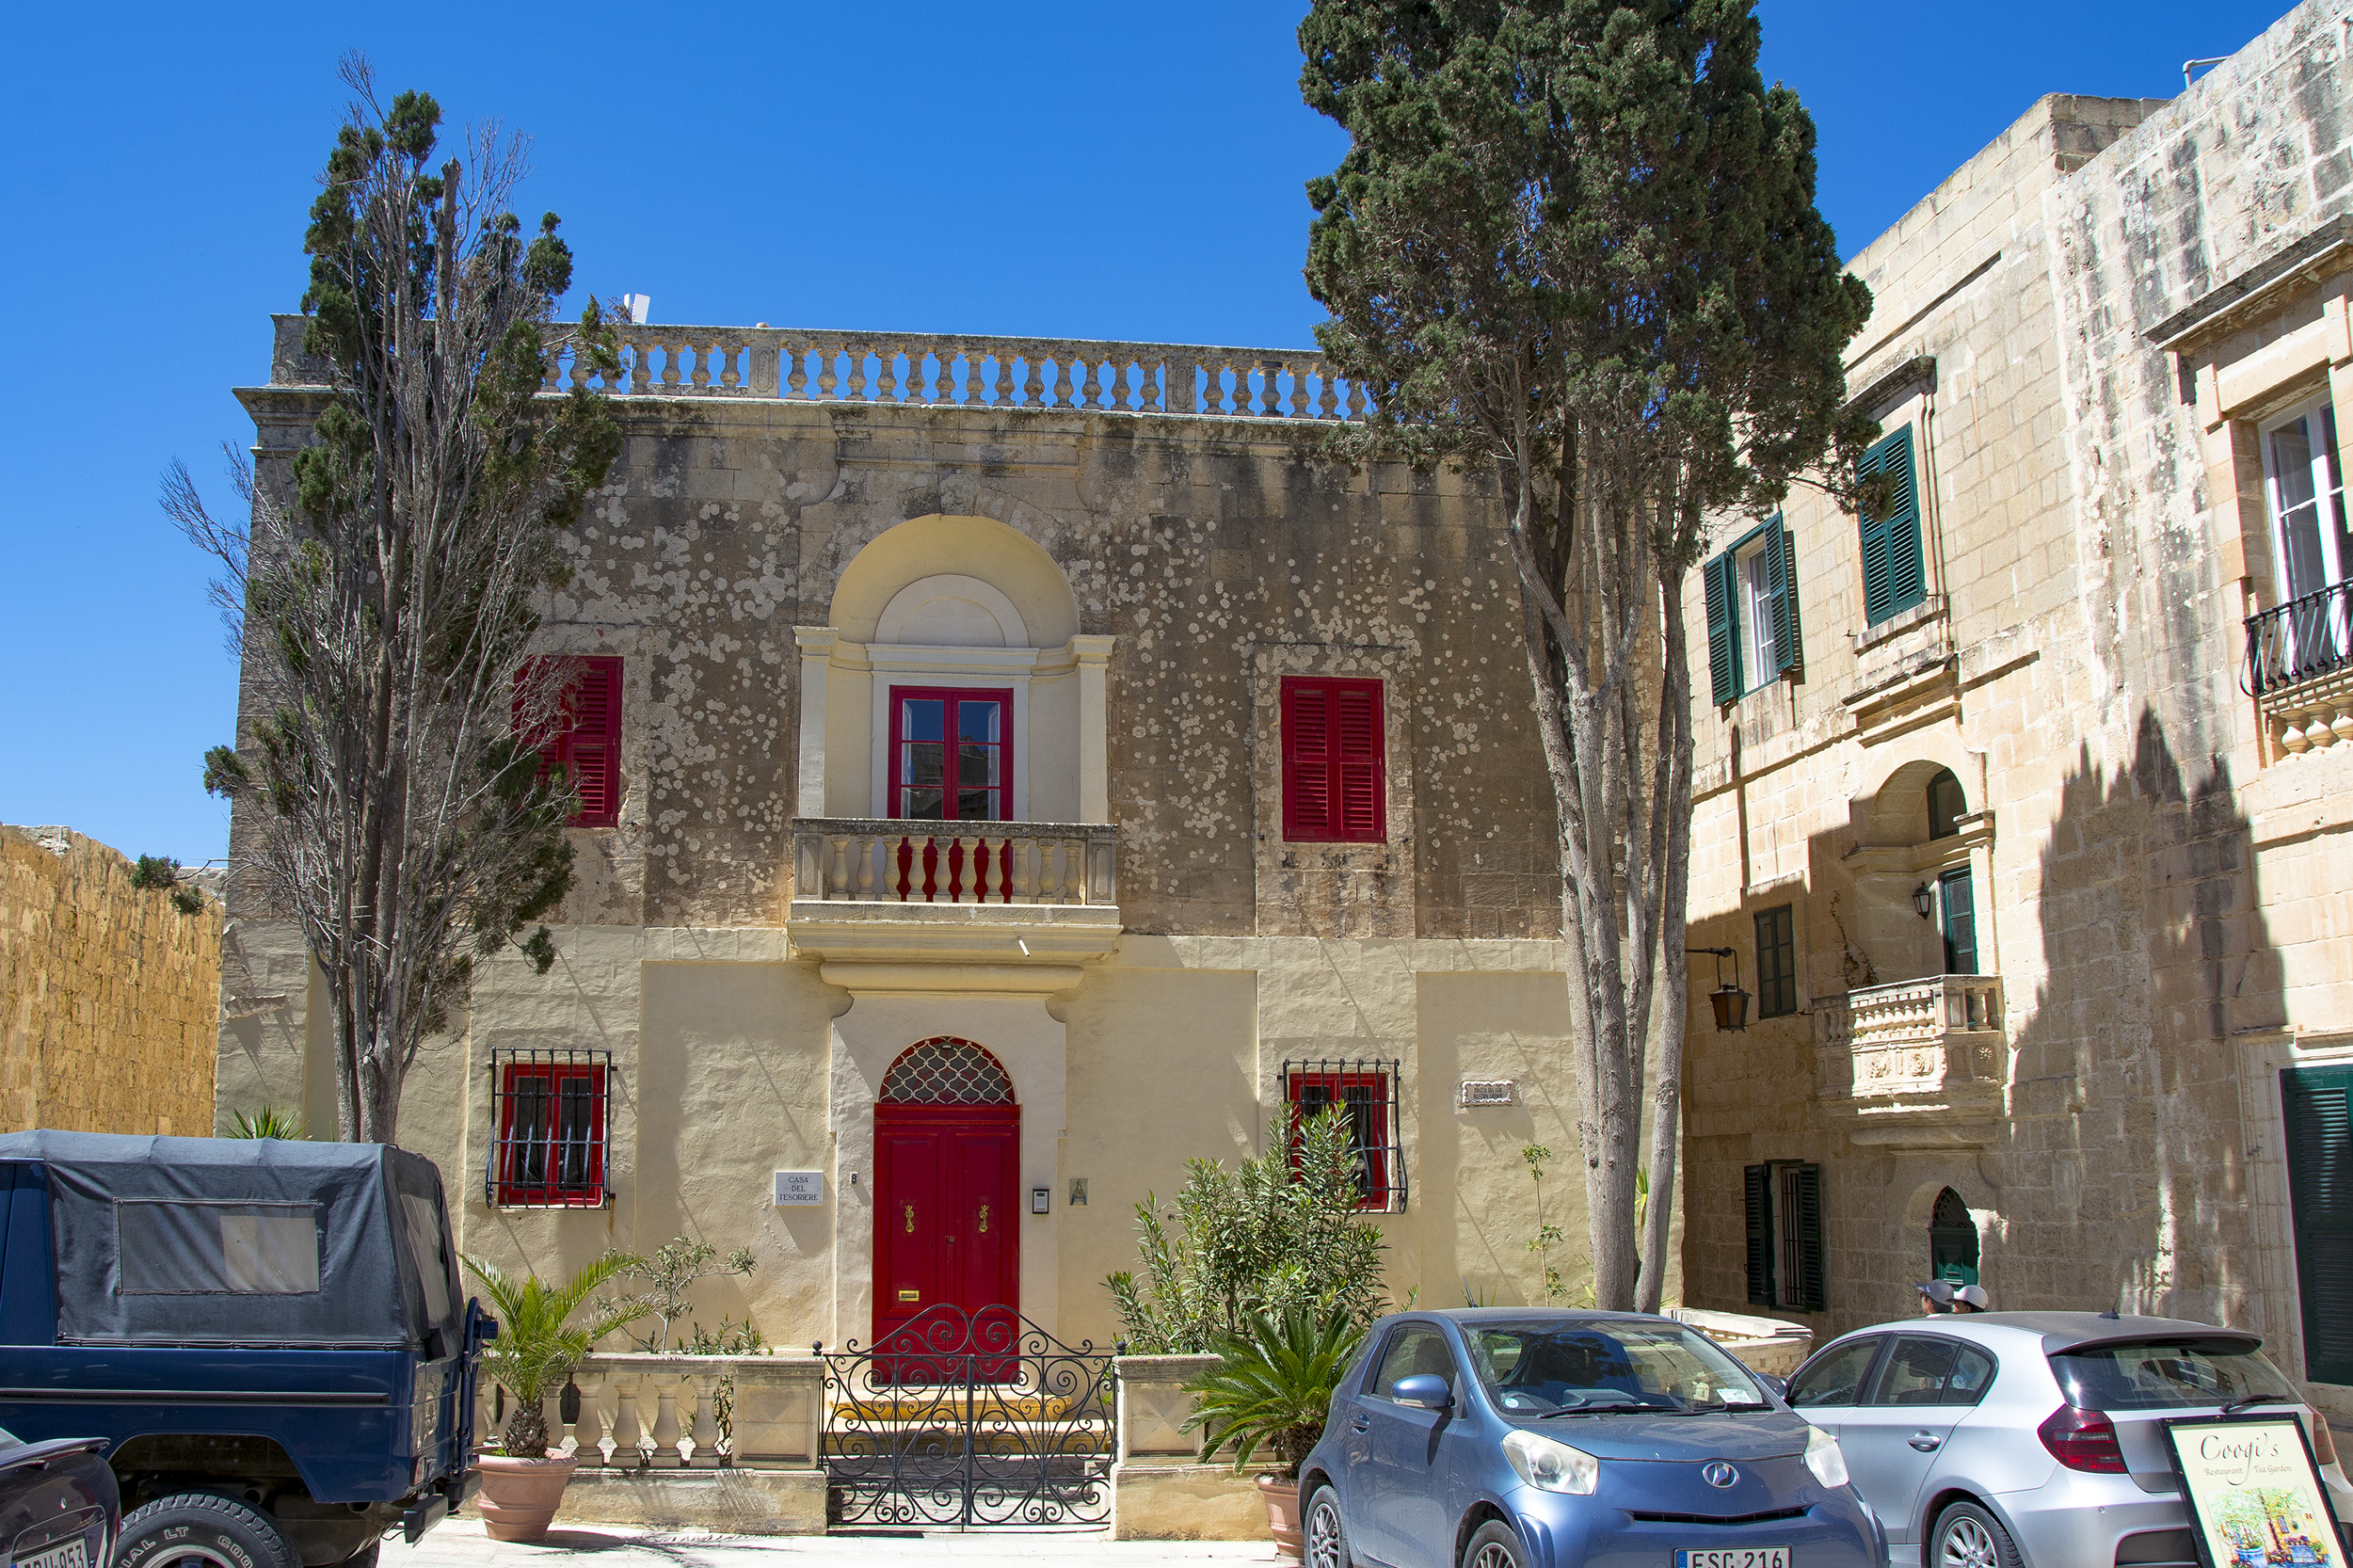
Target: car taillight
x=2082, y=1440
x=2324, y=1445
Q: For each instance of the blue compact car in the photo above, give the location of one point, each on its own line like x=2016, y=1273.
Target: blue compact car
x=1498, y=1437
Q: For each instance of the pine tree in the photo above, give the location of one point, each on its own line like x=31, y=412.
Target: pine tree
x=1577, y=239
x=382, y=595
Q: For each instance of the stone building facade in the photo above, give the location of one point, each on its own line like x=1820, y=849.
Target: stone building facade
x=2028, y=792
x=109, y=994
x=1253, y=818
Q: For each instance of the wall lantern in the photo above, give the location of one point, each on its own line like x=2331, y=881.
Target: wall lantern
x=1730, y=1001
x=1923, y=902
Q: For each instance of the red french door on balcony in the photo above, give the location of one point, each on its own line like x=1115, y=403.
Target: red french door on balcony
x=951, y=754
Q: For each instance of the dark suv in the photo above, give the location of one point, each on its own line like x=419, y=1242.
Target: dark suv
x=269, y=1336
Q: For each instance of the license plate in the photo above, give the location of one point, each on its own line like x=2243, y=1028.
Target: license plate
x=1733, y=1557
x=65, y=1554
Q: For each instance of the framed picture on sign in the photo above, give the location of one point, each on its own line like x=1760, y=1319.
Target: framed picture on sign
x=2254, y=1492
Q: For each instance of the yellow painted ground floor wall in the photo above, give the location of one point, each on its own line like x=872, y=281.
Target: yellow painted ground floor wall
x=732, y=1060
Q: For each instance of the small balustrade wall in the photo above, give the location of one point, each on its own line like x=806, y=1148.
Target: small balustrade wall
x=868, y=860
x=641, y=1412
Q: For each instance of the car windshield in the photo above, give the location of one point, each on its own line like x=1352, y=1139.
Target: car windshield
x=2170, y=1374
x=1551, y=1368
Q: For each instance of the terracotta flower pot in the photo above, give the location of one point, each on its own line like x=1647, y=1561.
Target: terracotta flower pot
x=1282, y=1514
x=519, y=1496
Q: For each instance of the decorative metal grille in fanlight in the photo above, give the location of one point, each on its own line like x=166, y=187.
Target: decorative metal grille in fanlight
x=945, y=1070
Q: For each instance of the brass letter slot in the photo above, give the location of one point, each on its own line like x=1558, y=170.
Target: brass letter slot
x=910, y=1295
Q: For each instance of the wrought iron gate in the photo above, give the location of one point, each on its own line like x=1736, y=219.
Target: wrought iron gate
x=969, y=1420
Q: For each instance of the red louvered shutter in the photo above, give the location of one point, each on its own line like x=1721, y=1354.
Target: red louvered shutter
x=1306, y=760
x=594, y=742
x=1334, y=788
x=1361, y=807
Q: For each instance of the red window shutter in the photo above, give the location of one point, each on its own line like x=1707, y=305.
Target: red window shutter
x=1333, y=762
x=1306, y=759
x=594, y=742
x=1361, y=811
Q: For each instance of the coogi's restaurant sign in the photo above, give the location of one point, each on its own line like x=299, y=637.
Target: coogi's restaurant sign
x=2255, y=1491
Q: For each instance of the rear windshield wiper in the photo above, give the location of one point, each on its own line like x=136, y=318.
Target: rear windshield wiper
x=2253, y=1399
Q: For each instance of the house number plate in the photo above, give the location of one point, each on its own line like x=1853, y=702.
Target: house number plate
x=800, y=1187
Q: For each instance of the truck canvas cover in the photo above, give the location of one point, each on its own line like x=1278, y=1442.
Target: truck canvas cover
x=243, y=1241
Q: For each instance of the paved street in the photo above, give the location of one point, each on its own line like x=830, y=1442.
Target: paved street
x=461, y=1543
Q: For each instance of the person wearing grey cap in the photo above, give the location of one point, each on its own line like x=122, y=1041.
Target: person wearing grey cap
x=1936, y=1297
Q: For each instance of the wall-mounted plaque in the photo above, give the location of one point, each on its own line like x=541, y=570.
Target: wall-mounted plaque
x=1489, y=1091
x=800, y=1187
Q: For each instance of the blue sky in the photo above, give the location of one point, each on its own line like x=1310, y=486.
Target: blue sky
x=1112, y=170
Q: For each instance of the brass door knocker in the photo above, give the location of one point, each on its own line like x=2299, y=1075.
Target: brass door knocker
x=910, y=1218
x=983, y=1218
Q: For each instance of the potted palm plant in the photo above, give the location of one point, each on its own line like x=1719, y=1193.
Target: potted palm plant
x=1272, y=1388
x=538, y=1348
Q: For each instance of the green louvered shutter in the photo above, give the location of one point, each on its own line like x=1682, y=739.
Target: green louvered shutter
x=1893, y=576
x=1723, y=649
x=2319, y=1102
x=1781, y=553
x=1760, y=1183
x=1813, y=1296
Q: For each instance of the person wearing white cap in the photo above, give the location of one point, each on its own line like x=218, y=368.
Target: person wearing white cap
x=1972, y=1298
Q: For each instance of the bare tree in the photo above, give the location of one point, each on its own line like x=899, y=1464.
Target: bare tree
x=390, y=798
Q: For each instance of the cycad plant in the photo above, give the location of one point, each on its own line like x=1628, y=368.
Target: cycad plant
x=538, y=1345
x=1273, y=1384
x=270, y=1122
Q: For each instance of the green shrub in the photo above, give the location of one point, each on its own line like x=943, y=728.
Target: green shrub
x=1262, y=1237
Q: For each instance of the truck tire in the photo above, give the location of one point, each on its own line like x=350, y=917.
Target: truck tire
x=198, y=1528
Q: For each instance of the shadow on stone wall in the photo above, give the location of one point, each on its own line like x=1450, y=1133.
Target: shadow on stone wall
x=2123, y=1180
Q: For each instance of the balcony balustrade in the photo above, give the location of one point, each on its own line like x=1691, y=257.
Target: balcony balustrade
x=1920, y=1059
x=865, y=861
x=974, y=372
x=2300, y=670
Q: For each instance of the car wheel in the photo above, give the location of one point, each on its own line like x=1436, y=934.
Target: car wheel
x=1494, y=1544
x=1327, y=1532
x=196, y=1529
x=1967, y=1536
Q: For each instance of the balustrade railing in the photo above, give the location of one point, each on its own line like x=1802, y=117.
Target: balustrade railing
x=869, y=860
x=980, y=371
x=1912, y=1036
x=933, y=370
x=639, y=1412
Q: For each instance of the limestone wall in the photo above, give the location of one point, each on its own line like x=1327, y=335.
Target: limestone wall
x=109, y=995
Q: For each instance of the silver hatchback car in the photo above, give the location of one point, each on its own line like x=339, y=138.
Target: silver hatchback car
x=2035, y=1439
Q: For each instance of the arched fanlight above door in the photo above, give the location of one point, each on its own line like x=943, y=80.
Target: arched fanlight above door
x=945, y=1070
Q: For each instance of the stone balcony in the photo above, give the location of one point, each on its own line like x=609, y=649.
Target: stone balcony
x=1916, y=1064
x=903, y=905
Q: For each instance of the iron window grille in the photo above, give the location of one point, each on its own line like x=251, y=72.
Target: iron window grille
x=550, y=1122
x=1368, y=1089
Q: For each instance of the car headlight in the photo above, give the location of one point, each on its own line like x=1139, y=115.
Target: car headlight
x=1550, y=1466
x=1823, y=1458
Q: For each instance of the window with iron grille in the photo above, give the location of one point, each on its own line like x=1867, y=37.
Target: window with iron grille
x=549, y=1112
x=1368, y=1089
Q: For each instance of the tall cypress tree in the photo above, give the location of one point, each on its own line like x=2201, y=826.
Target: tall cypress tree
x=383, y=595
x=1578, y=239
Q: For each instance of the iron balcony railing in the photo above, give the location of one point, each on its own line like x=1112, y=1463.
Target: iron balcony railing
x=2296, y=641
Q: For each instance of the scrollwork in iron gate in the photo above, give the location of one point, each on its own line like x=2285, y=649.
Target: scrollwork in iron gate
x=980, y=1418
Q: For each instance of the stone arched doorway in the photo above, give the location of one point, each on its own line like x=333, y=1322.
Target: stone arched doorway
x=947, y=1178
x=1952, y=1241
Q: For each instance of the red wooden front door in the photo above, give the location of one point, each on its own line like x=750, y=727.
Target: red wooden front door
x=947, y=1178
